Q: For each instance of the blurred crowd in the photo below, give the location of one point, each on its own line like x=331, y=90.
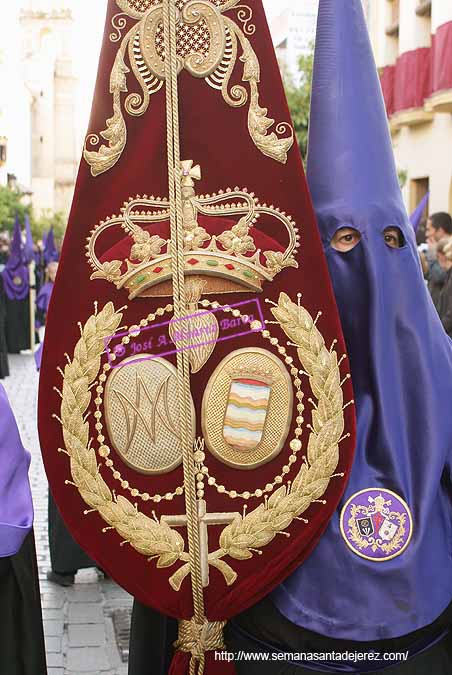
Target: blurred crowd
x=27, y=274
x=435, y=245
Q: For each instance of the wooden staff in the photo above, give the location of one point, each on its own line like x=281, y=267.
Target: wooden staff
x=32, y=295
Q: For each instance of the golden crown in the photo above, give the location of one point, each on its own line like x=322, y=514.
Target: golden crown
x=226, y=263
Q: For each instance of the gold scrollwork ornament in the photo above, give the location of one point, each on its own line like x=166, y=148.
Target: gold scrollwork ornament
x=209, y=46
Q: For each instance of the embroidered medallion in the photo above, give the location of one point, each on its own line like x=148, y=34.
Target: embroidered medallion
x=142, y=414
x=376, y=524
x=247, y=408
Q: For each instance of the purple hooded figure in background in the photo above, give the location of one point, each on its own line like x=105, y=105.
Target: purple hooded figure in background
x=21, y=638
x=380, y=579
x=16, y=286
x=42, y=305
x=15, y=275
x=416, y=216
x=50, y=249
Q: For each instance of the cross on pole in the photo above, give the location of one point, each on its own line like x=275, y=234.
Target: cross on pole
x=205, y=520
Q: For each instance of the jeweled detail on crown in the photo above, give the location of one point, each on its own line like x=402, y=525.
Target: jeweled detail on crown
x=228, y=261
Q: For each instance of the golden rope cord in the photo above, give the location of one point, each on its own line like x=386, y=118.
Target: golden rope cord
x=180, y=308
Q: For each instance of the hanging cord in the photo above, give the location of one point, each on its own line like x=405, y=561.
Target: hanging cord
x=190, y=632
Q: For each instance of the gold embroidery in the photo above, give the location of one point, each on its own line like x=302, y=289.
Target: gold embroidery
x=245, y=16
x=142, y=414
x=207, y=47
x=116, y=132
x=205, y=519
x=118, y=22
x=226, y=263
x=146, y=535
x=198, y=332
x=247, y=533
x=273, y=419
x=259, y=527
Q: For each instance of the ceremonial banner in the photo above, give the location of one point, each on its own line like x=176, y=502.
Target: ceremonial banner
x=196, y=415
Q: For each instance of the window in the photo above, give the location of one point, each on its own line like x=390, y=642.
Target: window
x=392, y=28
x=424, y=8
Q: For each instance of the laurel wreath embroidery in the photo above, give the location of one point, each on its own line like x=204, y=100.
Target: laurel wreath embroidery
x=248, y=533
x=145, y=535
x=373, y=542
x=257, y=529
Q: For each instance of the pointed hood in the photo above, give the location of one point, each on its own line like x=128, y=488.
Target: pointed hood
x=400, y=358
x=416, y=216
x=15, y=274
x=15, y=254
x=351, y=169
x=50, y=250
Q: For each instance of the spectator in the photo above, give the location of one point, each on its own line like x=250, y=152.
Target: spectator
x=444, y=254
x=421, y=235
x=439, y=226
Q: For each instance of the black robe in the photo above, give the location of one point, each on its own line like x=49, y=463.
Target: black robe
x=263, y=627
x=4, y=367
x=66, y=556
x=152, y=637
x=22, y=650
x=17, y=325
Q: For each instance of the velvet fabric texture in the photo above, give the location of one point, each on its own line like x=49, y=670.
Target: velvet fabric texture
x=216, y=137
x=401, y=358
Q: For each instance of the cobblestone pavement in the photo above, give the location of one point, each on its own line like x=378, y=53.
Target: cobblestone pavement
x=77, y=621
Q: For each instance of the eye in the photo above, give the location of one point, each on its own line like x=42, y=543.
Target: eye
x=345, y=239
x=393, y=237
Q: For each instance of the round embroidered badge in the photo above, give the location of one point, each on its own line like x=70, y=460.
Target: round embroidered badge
x=376, y=524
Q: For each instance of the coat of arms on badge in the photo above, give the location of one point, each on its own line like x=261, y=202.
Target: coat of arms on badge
x=365, y=526
x=376, y=524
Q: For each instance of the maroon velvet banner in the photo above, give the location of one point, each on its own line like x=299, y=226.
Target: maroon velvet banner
x=442, y=58
x=412, y=79
x=116, y=509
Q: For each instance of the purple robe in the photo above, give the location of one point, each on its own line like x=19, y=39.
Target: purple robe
x=16, y=508
x=43, y=299
x=400, y=357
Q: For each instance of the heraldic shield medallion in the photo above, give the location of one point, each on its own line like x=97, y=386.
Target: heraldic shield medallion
x=195, y=404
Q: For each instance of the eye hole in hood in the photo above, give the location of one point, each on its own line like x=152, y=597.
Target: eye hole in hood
x=394, y=237
x=345, y=239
